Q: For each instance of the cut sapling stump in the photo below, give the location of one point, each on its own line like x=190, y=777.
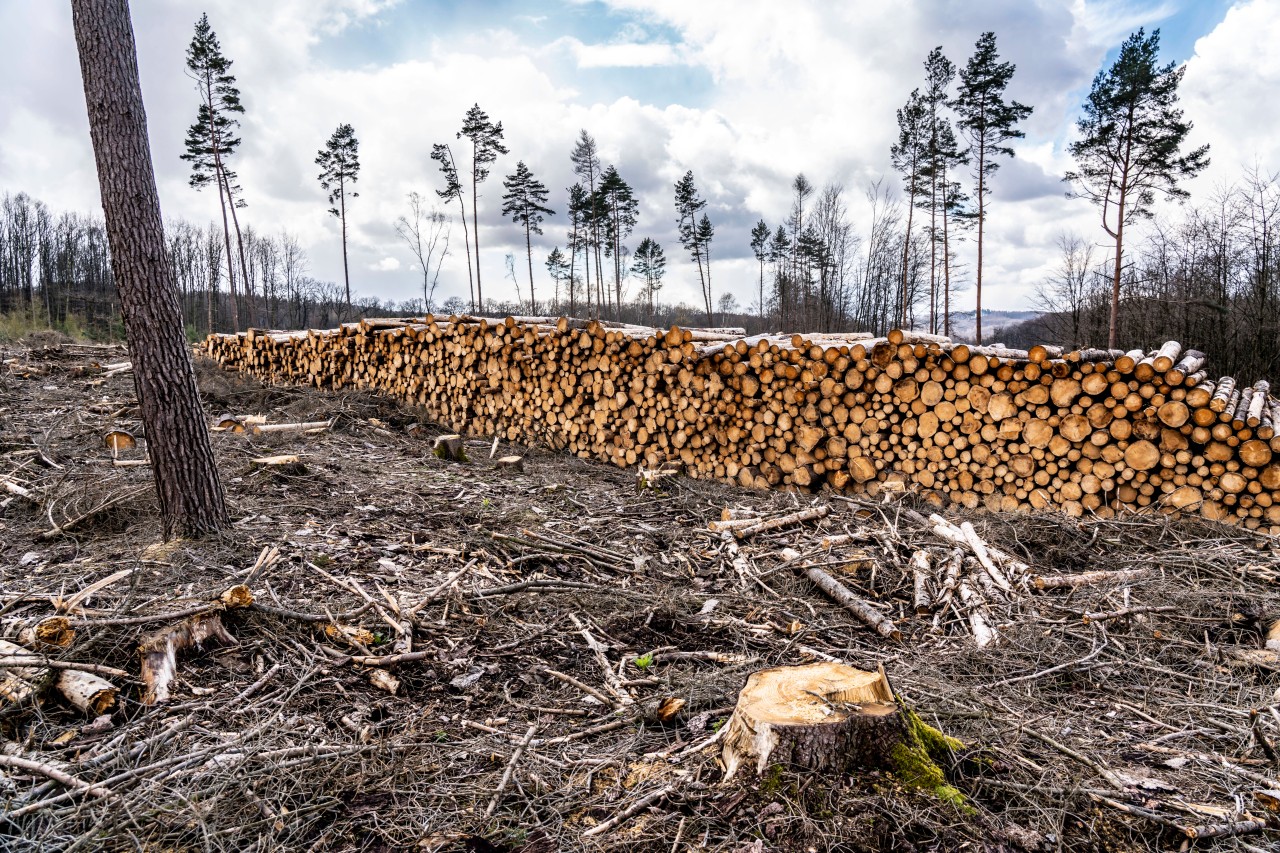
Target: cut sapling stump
x=159, y=652
x=510, y=464
x=450, y=449
x=833, y=719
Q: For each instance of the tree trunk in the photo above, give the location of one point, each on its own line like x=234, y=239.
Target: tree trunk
x=231, y=274
x=186, y=476
x=933, y=250
x=982, y=220
x=1114, y=329
x=906, y=254
x=528, y=246
x=466, y=238
x=946, y=264
x=346, y=275
x=222, y=203
x=244, y=271
x=475, y=222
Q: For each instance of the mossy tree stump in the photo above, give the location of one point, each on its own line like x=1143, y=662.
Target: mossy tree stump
x=450, y=449
x=833, y=719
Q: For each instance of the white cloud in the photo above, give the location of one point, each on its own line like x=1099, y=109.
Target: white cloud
x=1228, y=92
x=810, y=87
x=622, y=55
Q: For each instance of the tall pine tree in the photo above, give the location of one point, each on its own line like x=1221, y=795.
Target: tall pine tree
x=486, y=145
x=339, y=162
x=941, y=150
x=760, y=247
x=1132, y=132
x=688, y=205
x=779, y=251
x=619, y=210
x=586, y=165
x=182, y=462
x=579, y=202
x=650, y=263
x=211, y=140
x=443, y=155
x=525, y=201
x=988, y=123
x=909, y=156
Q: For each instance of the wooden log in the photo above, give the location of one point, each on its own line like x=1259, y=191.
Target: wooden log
x=799, y=517
x=922, y=571
x=19, y=684
x=304, y=426
x=1166, y=356
x=50, y=633
x=841, y=595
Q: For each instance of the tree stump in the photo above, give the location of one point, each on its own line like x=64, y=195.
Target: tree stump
x=510, y=464
x=832, y=719
x=821, y=717
x=450, y=449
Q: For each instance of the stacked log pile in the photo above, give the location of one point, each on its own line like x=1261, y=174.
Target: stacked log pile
x=1087, y=431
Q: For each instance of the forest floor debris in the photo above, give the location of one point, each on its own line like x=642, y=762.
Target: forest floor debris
x=435, y=655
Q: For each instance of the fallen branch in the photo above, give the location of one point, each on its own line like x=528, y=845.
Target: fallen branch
x=1087, y=578
x=66, y=526
x=64, y=779
x=781, y=521
x=511, y=766
x=842, y=595
x=302, y=426
x=636, y=807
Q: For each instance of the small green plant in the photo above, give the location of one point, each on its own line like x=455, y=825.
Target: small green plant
x=322, y=560
x=644, y=661
x=719, y=724
x=441, y=736
x=485, y=503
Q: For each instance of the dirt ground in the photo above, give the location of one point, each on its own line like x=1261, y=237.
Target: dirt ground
x=560, y=609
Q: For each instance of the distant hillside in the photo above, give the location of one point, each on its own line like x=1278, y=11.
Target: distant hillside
x=963, y=323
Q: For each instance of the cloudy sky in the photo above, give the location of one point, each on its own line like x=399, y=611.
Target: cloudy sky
x=746, y=93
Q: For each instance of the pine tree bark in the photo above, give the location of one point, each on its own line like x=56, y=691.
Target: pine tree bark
x=346, y=274
x=186, y=477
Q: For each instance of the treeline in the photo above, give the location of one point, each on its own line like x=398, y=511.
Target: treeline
x=55, y=272
x=1208, y=276
x=55, y=269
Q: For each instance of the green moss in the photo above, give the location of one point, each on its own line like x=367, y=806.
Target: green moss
x=771, y=780
x=914, y=761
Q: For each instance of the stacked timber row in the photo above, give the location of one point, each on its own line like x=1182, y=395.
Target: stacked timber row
x=1089, y=431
